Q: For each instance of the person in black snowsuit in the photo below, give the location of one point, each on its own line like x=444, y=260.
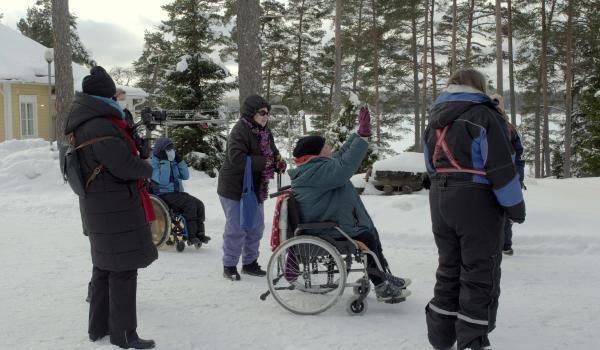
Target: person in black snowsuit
x=474, y=186
x=517, y=146
x=115, y=212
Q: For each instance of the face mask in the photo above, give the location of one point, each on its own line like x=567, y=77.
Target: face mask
x=170, y=154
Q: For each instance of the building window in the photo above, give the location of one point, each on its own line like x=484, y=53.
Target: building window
x=28, y=116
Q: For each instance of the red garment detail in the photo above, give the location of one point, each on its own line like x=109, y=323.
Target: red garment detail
x=442, y=145
x=146, y=202
x=305, y=159
x=275, y=240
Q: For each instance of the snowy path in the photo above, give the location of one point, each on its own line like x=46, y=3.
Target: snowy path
x=549, y=298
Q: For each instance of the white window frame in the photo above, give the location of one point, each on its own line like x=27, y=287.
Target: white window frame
x=28, y=100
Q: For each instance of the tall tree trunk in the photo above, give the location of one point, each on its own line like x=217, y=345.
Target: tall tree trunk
x=416, y=94
x=499, y=60
x=469, y=33
x=537, y=125
x=376, y=39
x=249, y=53
x=511, y=67
x=299, y=65
x=424, y=60
x=357, y=45
x=568, y=92
x=337, y=93
x=453, y=49
x=63, y=69
x=544, y=70
x=433, y=68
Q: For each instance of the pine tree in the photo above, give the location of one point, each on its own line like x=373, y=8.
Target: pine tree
x=179, y=73
x=586, y=129
x=305, y=18
x=37, y=25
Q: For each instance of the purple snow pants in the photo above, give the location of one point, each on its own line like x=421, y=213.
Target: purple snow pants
x=237, y=241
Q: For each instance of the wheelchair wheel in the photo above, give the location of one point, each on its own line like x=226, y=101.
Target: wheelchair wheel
x=306, y=275
x=161, y=227
x=180, y=246
x=356, y=306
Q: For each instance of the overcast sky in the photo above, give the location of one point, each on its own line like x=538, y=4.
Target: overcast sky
x=112, y=30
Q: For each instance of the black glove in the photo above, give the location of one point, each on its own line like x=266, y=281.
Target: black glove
x=177, y=158
x=516, y=213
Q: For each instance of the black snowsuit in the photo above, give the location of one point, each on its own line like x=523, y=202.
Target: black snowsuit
x=113, y=217
x=474, y=184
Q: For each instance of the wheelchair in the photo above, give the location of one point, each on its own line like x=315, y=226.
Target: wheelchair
x=169, y=228
x=307, y=273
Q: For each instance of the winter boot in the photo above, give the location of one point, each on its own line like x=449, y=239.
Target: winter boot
x=397, y=281
x=203, y=238
x=195, y=241
x=253, y=269
x=390, y=293
x=94, y=337
x=133, y=341
x=508, y=251
x=230, y=273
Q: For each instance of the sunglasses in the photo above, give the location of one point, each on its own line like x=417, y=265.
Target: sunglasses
x=263, y=113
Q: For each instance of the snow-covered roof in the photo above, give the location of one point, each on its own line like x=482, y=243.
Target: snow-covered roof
x=410, y=162
x=22, y=60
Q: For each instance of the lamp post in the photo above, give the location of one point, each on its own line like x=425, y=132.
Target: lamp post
x=49, y=57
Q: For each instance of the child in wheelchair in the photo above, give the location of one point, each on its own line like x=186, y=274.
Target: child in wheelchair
x=168, y=172
x=322, y=188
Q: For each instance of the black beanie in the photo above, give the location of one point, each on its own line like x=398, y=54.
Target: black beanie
x=309, y=145
x=99, y=83
x=252, y=104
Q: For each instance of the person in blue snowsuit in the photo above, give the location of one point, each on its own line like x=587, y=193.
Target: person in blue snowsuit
x=168, y=171
x=475, y=186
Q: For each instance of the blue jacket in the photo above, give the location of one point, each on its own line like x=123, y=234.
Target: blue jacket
x=169, y=174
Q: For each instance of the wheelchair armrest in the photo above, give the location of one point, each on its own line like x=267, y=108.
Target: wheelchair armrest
x=317, y=225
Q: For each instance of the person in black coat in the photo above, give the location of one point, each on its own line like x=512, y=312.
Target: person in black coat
x=115, y=212
x=250, y=136
x=474, y=186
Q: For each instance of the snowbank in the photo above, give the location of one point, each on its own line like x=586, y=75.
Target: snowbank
x=28, y=165
x=410, y=162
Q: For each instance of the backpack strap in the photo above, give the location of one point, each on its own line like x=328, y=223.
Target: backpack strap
x=442, y=146
x=92, y=141
x=97, y=169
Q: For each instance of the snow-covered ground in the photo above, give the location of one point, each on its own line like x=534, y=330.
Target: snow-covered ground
x=549, y=300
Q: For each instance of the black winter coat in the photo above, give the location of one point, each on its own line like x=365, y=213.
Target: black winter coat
x=242, y=141
x=112, y=212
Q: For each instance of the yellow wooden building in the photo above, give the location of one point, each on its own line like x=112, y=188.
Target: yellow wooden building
x=24, y=88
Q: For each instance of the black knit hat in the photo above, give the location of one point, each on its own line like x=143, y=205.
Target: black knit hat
x=98, y=83
x=309, y=145
x=252, y=104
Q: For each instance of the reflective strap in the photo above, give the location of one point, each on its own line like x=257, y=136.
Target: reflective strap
x=472, y=320
x=462, y=170
x=458, y=315
x=442, y=311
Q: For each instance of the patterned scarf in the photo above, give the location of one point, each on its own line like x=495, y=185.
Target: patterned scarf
x=262, y=134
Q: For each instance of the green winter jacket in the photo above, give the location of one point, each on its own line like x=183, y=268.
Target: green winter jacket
x=324, y=192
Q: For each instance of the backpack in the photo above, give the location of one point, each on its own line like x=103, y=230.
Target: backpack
x=71, y=167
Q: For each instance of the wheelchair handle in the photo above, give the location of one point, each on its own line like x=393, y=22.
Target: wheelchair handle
x=281, y=191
